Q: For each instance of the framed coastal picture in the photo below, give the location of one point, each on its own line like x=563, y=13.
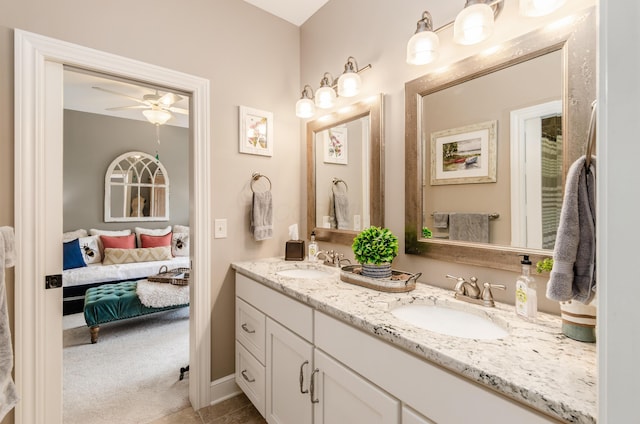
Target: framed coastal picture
x=256, y=132
x=335, y=146
x=464, y=155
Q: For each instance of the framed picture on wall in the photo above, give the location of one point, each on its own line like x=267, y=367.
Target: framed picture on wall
x=464, y=155
x=335, y=146
x=256, y=132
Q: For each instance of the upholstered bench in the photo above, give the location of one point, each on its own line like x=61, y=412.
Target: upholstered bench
x=113, y=302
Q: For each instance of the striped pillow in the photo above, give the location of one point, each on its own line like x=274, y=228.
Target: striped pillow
x=127, y=256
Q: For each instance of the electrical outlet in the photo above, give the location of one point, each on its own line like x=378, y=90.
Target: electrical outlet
x=220, y=230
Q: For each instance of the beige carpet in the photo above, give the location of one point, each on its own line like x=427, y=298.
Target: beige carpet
x=131, y=375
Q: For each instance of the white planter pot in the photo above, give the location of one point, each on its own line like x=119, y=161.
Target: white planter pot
x=579, y=320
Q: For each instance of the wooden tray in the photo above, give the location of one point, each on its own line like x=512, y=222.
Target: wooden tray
x=399, y=281
x=176, y=276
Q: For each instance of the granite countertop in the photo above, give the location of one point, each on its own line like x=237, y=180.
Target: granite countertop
x=535, y=365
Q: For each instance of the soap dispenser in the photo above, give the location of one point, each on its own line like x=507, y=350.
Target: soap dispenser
x=313, y=248
x=526, y=296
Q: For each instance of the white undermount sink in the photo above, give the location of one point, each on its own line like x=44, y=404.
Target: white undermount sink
x=307, y=273
x=451, y=322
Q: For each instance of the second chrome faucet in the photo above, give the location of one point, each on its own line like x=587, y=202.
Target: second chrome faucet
x=332, y=258
x=469, y=291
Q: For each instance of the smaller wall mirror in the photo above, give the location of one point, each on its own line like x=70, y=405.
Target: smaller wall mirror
x=345, y=177
x=136, y=188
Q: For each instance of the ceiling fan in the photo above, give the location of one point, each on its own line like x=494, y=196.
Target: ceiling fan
x=155, y=107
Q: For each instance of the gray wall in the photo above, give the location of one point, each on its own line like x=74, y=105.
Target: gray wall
x=92, y=142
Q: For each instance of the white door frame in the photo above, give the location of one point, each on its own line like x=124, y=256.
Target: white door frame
x=38, y=387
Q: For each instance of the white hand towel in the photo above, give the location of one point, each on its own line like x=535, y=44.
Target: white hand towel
x=574, y=255
x=262, y=216
x=8, y=393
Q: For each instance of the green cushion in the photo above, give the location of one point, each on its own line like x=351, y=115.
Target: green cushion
x=112, y=302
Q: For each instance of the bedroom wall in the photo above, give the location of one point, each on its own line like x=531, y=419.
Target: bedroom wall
x=92, y=142
x=251, y=58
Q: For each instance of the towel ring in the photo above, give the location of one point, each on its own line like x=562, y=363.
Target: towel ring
x=255, y=177
x=337, y=181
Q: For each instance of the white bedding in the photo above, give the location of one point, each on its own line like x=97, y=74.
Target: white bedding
x=98, y=273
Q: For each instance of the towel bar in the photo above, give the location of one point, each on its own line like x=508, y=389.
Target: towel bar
x=494, y=215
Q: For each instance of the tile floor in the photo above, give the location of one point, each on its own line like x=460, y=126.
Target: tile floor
x=237, y=410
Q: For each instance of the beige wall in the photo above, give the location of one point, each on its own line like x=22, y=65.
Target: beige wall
x=251, y=59
x=379, y=35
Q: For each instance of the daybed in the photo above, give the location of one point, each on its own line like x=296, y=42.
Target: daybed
x=98, y=257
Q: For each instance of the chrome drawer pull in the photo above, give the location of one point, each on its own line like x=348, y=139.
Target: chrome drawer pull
x=244, y=375
x=245, y=328
x=302, y=378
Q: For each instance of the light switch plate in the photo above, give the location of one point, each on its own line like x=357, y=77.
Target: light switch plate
x=220, y=228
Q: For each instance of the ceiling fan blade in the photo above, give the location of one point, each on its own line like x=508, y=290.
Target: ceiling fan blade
x=178, y=110
x=169, y=99
x=128, y=107
x=106, y=90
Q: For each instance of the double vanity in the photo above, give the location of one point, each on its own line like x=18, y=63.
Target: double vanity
x=312, y=348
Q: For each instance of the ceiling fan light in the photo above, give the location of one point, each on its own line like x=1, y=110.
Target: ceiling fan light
x=157, y=116
x=539, y=7
x=473, y=24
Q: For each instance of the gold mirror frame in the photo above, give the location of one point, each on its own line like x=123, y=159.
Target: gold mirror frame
x=577, y=41
x=373, y=108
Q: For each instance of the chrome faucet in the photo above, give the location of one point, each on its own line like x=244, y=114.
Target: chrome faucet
x=332, y=258
x=469, y=291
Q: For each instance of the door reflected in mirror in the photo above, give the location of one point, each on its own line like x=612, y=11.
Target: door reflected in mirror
x=136, y=189
x=344, y=174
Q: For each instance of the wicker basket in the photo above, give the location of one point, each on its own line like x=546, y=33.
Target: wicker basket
x=176, y=276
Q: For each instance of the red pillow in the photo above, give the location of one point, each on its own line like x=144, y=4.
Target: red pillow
x=155, y=241
x=119, y=242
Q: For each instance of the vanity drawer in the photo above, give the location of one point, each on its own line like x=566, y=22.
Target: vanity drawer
x=250, y=328
x=250, y=376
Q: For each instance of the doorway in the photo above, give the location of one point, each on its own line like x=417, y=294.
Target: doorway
x=38, y=216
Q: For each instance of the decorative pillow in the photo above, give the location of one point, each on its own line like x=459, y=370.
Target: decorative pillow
x=127, y=256
x=90, y=249
x=119, y=242
x=71, y=255
x=180, y=244
x=111, y=233
x=155, y=241
x=181, y=229
x=72, y=235
x=150, y=232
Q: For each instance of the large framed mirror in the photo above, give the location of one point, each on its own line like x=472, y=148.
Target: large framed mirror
x=345, y=176
x=136, y=188
x=492, y=139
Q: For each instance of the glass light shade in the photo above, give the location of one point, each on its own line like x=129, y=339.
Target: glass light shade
x=422, y=48
x=349, y=84
x=157, y=116
x=539, y=7
x=305, y=108
x=473, y=24
x=325, y=97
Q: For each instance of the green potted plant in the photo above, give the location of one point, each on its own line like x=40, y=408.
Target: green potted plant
x=374, y=248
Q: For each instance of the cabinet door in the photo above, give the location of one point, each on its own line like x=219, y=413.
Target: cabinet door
x=345, y=397
x=288, y=375
x=409, y=416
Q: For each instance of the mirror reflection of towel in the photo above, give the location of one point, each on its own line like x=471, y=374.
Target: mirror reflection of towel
x=341, y=206
x=472, y=227
x=440, y=220
x=262, y=216
x=8, y=393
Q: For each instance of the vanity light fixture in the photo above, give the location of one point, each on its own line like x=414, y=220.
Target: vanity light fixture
x=305, y=108
x=422, y=47
x=539, y=7
x=475, y=22
x=347, y=85
x=349, y=82
x=326, y=95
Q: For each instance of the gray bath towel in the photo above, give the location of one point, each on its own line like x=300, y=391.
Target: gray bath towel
x=574, y=255
x=262, y=216
x=8, y=393
x=341, y=208
x=440, y=220
x=472, y=227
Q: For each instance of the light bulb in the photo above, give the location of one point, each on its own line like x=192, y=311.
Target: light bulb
x=422, y=48
x=473, y=24
x=349, y=84
x=305, y=108
x=325, y=97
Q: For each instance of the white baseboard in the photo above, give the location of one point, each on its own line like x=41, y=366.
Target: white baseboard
x=223, y=389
